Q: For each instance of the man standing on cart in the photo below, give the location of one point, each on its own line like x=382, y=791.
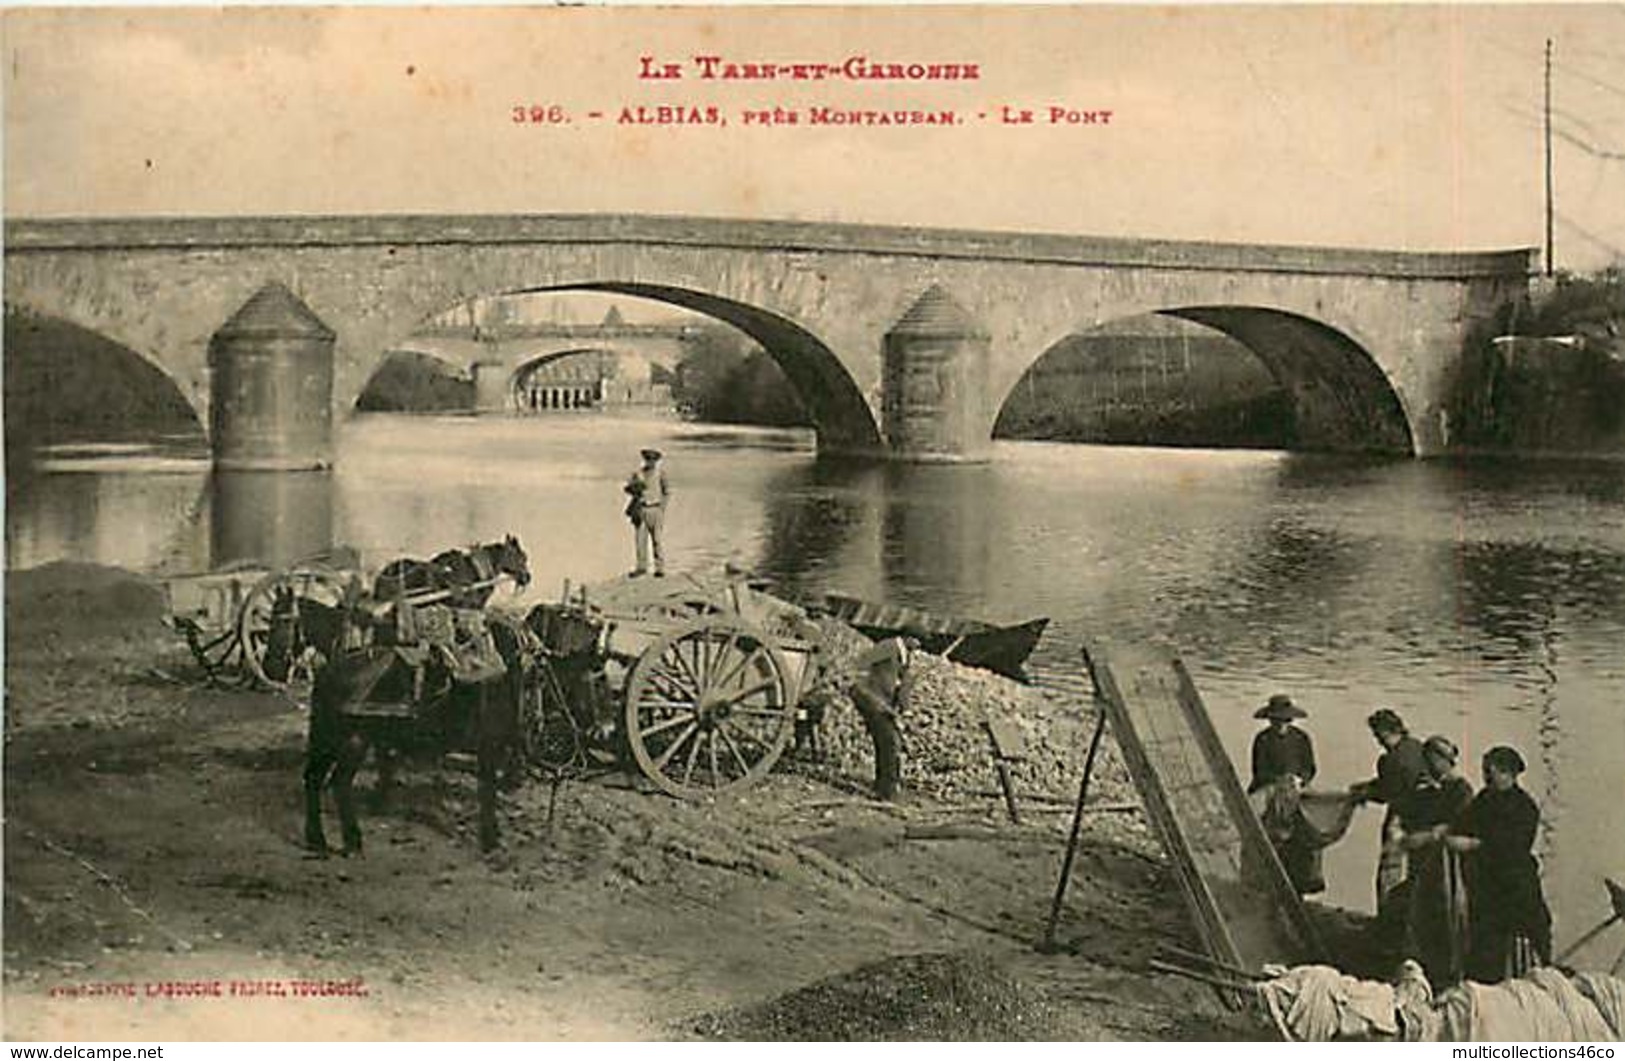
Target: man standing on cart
x=650, y=495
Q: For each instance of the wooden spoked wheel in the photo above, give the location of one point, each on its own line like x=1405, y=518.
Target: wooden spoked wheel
x=551, y=737
x=275, y=651
x=709, y=707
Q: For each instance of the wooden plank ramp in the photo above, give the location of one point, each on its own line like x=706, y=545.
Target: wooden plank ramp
x=1245, y=908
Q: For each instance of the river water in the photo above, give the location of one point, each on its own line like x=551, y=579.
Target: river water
x=1485, y=602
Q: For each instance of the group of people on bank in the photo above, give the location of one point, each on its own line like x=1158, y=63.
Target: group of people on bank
x=1458, y=884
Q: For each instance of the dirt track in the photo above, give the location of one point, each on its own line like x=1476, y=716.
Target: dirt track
x=152, y=835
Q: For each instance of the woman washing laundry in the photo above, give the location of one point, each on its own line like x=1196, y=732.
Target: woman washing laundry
x=1283, y=763
x=1509, y=924
x=1399, y=768
x=1435, y=894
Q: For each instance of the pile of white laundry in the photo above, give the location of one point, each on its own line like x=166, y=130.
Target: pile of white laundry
x=1316, y=1003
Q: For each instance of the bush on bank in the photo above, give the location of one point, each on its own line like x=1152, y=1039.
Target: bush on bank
x=1547, y=374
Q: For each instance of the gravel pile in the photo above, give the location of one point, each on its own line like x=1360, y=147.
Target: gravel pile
x=66, y=593
x=933, y=997
x=947, y=753
x=82, y=645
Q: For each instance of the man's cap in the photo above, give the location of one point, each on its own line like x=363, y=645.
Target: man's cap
x=652, y=454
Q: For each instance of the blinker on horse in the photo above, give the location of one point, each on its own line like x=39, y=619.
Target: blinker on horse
x=409, y=697
x=470, y=573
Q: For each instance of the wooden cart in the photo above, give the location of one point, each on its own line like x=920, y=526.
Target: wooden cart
x=241, y=622
x=694, y=681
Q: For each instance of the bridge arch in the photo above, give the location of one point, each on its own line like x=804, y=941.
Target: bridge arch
x=60, y=372
x=398, y=383
x=535, y=361
x=1341, y=398
x=841, y=417
x=579, y=393
x=163, y=286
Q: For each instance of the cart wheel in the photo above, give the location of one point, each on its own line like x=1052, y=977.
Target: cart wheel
x=214, y=653
x=275, y=649
x=552, y=740
x=709, y=707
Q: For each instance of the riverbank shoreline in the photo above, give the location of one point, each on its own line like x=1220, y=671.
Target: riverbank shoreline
x=152, y=836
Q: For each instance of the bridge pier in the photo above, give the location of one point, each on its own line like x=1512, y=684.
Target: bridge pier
x=269, y=516
x=490, y=387
x=1383, y=331
x=936, y=380
x=271, y=386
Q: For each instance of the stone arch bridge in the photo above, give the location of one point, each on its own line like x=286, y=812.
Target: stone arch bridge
x=499, y=356
x=882, y=330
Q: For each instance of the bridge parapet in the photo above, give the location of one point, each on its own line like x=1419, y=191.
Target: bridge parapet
x=500, y=333
x=1351, y=334
x=23, y=235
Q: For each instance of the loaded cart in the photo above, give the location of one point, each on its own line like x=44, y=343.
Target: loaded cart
x=695, y=681
x=274, y=628
x=242, y=620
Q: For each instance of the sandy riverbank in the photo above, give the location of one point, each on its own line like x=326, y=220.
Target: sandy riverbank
x=152, y=829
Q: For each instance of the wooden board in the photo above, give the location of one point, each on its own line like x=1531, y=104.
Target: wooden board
x=1244, y=906
x=213, y=600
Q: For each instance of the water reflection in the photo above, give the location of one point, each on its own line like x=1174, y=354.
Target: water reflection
x=924, y=534
x=937, y=529
x=169, y=520
x=1592, y=482
x=1287, y=588
x=1486, y=602
x=822, y=526
x=124, y=513
x=270, y=517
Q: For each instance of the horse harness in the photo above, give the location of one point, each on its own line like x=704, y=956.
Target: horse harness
x=485, y=569
x=457, y=641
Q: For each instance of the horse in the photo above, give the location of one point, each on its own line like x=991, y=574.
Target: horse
x=372, y=697
x=365, y=697
x=468, y=573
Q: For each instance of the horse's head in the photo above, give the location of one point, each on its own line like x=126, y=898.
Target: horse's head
x=322, y=626
x=509, y=557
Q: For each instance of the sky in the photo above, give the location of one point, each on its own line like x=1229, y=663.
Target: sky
x=1402, y=127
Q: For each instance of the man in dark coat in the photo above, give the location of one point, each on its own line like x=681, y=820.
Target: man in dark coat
x=1399, y=768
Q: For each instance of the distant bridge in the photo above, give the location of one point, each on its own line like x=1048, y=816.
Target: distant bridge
x=501, y=356
x=1365, y=342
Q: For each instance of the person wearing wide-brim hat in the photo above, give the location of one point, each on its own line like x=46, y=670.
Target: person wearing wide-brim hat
x=1283, y=749
x=1283, y=762
x=650, y=496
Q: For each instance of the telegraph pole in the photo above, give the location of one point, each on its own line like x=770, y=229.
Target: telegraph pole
x=1550, y=265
